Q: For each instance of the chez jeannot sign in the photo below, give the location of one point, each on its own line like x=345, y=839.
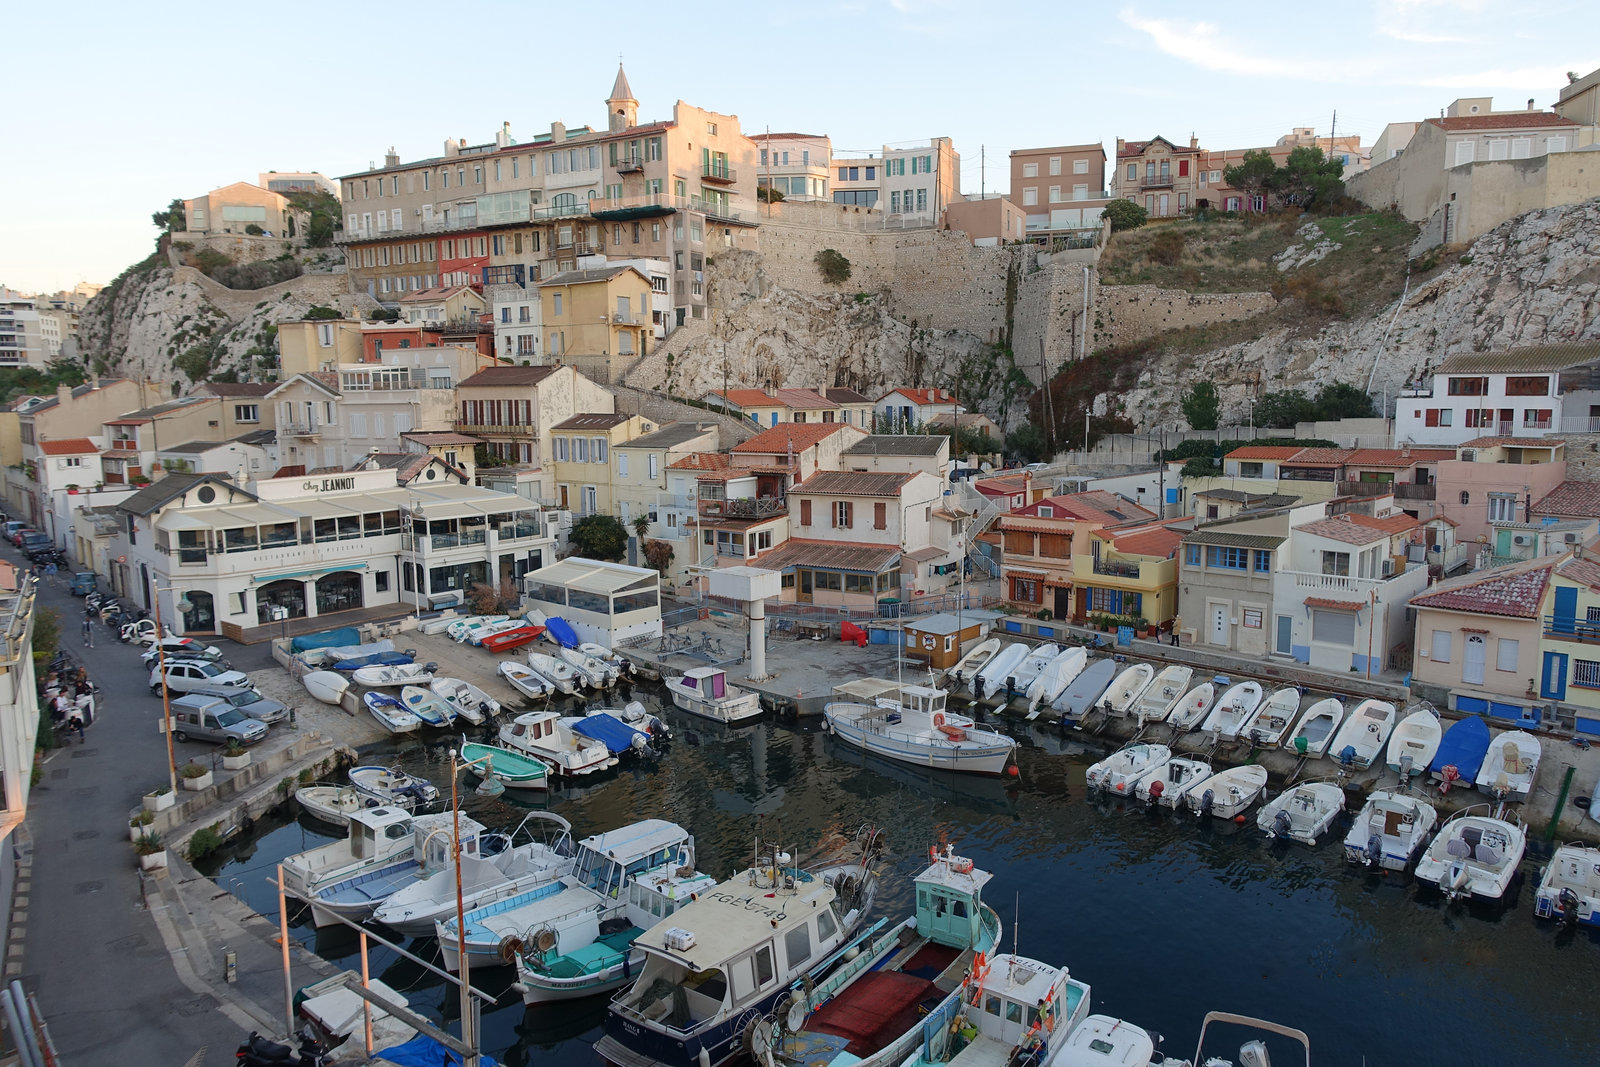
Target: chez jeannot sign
x=328, y=485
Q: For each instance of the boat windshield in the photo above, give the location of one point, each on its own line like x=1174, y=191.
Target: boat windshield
x=605, y=875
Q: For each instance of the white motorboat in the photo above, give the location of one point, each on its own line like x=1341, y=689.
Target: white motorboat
x=1100, y=1041
x=1389, y=831
x=973, y=662
x=1569, y=886
x=466, y=700
x=1301, y=813
x=393, y=787
x=915, y=728
x=1079, y=697
x=541, y=734
x=1192, y=708
x=1039, y=1009
x=1164, y=787
x=1316, y=728
x=427, y=705
x=1272, y=720
x=705, y=691
x=337, y=1013
x=596, y=674
x=1414, y=742
x=1033, y=665
x=393, y=677
x=1121, y=694
x=558, y=673
x=1510, y=766
x=639, y=717
x=1125, y=768
x=613, y=659
x=326, y=686
x=1056, y=676
x=1163, y=694
x=331, y=804
x=462, y=631
x=526, y=680
x=1363, y=734
x=1226, y=793
x=1233, y=709
x=1474, y=854
x=390, y=713
x=992, y=677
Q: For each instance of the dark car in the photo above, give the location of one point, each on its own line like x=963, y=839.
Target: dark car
x=34, y=542
x=83, y=583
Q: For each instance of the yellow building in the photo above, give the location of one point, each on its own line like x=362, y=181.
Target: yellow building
x=583, y=467
x=317, y=344
x=1130, y=572
x=1569, y=647
x=597, y=320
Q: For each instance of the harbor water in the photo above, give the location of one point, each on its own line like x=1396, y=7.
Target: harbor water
x=1166, y=916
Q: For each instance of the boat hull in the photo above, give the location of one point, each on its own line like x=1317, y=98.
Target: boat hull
x=988, y=759
x=740, y=709
x=543, y=989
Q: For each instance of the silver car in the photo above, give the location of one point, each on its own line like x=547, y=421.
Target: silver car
x=252, y=703
x=196, y=676
x=203, y=718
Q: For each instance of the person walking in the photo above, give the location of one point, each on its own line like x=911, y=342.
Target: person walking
x=88, y=631
x=50, y=571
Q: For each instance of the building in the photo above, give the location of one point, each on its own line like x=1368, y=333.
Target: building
x=318, y=344
x=1497, y=479
x=31, y=421
x=607, y=603
x=805, y=448
x=939, y=640
x=757, y=405
x=992, y=220
x=511, y=410
x=22, y=340
x=1171, y=179
x=582, y=466
x=905, y=409
x=1041, y=539
x=289, y=182
x=64, y=471
x=1130, y=572
x=854, y=408
x=240, y=459
x=808, y=405
x=131, y=442
x=1523, y=392
x=797, y=165
x=1060, y=190
x=598, y=320
x=234, y=208
x=907, y=453
x=1569, y=646
x=19, y=718
x=912, y=185
x=639, y=481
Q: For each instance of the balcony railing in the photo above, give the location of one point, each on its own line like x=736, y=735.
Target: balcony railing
x=1158, y=181
x=1572, y=629
x=300, y=429
x=755, y=507
x=719, y=172
x=630, y=166
x=512, y=430
x=1116, y=568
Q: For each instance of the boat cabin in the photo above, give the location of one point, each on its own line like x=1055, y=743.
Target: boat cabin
x=608, y=862
x=1013, y=996
x=535, y=727
x=949, y=901
x=921, y=699
x=374, y=831
x=707, y=683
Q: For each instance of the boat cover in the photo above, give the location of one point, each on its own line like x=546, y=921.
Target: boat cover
x=849, y=631
x=376, y=659
x=346, y=635
x=357, y=651
x=1464, y=744
x=562, y=631
x=424, y=1051
x=617, y=735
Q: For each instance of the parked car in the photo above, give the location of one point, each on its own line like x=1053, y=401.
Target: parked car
x=184, y=648
x=209, y=718
x=13, y=528
x=963, y=473
x=197, y=676
x=252, y=703
x=32, y=540
x=83, y=583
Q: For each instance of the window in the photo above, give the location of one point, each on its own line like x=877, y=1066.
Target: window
x=1333, y=628
x=1030, y=170
x=1251, y=618
x=1506, y=654
x=842, y=514
x=1528, y=385
x=246, y=413
x=880, y=516
x=1536, y=418
x=1441, y=646
x=1025, y=590
x=1080, y=166
x=622, y=464
x=1133, y=171
x=1055, y=194
x=1467, y=386
x=1233, y=559
x=1502, y=507
x=561, y=449
x=1030, y=196
x=1336, y=563
x=555, y=303
x=1055, y=164
x=1263, y=562
x=1191, y=555
x=797, y=945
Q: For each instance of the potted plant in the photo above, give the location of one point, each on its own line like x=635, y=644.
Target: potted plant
x=159, y=799
x=196, y=777
x=234, y=756
x=152, y=853
x=72, y=490
x=137, y=824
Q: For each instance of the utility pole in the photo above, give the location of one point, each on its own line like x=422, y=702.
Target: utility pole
x=982, y=159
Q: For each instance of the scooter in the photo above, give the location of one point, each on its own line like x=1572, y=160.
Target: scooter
x=258, y=1051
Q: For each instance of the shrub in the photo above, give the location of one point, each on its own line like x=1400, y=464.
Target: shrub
x=600, y=537
x=143, y=818
x=658, y=554
x=205, y=841
x=768, y=195
x=194, y=770
x=1125, y=215
x=1167, y=247
x=1201, y=406
x=833, y=266
x=208, y=261
x=148, y=844
x=317, y=312
x=257, y=275
x=195, y=362
x=254, y=231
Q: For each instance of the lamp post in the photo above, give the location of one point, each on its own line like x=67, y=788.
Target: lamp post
x=469, y=1021
x=183, y=607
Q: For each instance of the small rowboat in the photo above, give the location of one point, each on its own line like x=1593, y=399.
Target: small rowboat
x=326, y=686
x=515, y=770
x=469, y=702
x=331, y=804
x=513, y=638
x=463, y=630
x=525, y=680
x=427, y=707
x=390, y=713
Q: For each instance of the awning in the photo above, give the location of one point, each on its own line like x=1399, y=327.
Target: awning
x=177, y=520
x=318, y=572
x=1335, y=605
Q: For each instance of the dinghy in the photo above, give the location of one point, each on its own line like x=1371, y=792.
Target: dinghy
x=595, y=673
x=1415, y=741
x=393, y=787
x=1119, y=697
x=1192, y=709
x=973, y=662
x=1165, y=786
x=1163, y=694
x=559, y=674
x=429, y=708
x=1267, y=726
x=462, y=631
x=1316, y=728
x=465, y=699
x=705, y=691
x=513, y=769
x=1125, y=768
x=992, y=677
x=390, y=713
x=492, y=630
x=1475, y=855
x=1226, y=793
x=1461, y=752
x=1510, y=766
x=336, y=1013
x=615, y=660
x=327, y=686
x=331, y=804
x=1076, y=699
x=1233, y=709
x=1363, y=734
x=513, y=637
x=1057, y=675
x=393, y=677
x=1389, y=831
x=915, y=728
x=1302, y=813
x=1569, y=886
x=541, y=734
x=526, y=680
x=1033, y=665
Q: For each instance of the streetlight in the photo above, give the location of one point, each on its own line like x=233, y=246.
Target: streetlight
x=469, y=1021
x=184, y=606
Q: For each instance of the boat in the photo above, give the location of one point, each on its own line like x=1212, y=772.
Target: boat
x=540, y=851
x=1301, y=813
x=1125, y=768
x=639, y=717
x=337, y=1013
x=525, y=680
x=969, y=665
x=1101, y=1040
x=462, y=630
x=992, y=676
x=1475, y=854
x=1119, y=697
x=596, y=674
x=705, y=691
x=559, y=674
x=1316, y=728
x=1363, y=734
x=1461, y=752
x=906, y=984
x=1226, y=793
x=1036, y=1010
x=1415, y=741
x=393, y=787
x=374, y=659
x=1510, y=766
x=1033, y=665
x=1272, y=720
x=506, y=640
x=1569, y=886
x=1252, y=1053
x=1192, y=709
x=619, y=738
x=1077, y=698
x=390, y=713
x=541, y=734
x=1233, y=709
x=331, y=804
x=616, y=660
x=466, y=700
x=561, y=631
x=1389, y=831
x=393, y=677
x=326, y=686
x=1056, y=676
x=1162, y=694
x=784, y=926
x=915, y=728
x=427, y=706
x=1165, y=785
x=513, y=769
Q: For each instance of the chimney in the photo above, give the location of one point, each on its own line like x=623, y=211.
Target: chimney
x=1194, y=142
x=1530, y=104
x=450, y=148
x=1121, y=144
x=391, y=158
x=502, y=139
x=558, y=132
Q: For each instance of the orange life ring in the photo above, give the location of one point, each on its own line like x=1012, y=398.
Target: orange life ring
x=938, y=719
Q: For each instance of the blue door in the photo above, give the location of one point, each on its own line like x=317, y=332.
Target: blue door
x=1566, y=610
x=1554, y=684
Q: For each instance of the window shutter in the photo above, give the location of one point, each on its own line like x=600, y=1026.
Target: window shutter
x=805, y=513
x=880, y=516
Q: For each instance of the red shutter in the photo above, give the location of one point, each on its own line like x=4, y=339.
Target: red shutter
x=805, y=513
x=1183, y=168
x=1432, y=417
x=880, y=516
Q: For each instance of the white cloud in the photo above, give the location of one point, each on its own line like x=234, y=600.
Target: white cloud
x=1541, y=79
x=1200, y=43
x=1424, y=21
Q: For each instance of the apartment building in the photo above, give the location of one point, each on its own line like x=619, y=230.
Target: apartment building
x=642, y=485
x=318, y=344
x=1496, y=479
x=582, y=462
x=1524, y=392
x=30, y=421
x=911, y=184
x=22, y=342
x=1061, y=190
x=1171, y=179
x=906, y=408
x=598, y=320
x=233, y=208
x=289, y=182
x=512, y=409
x=797, y=165
x=131, y=441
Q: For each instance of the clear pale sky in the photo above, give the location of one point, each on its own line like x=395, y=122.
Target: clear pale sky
x=117, y=108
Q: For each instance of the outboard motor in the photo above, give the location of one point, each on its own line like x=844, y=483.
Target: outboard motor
x=1280, y=824
x=1254, y=1054
x=1405, y=767
x=1567, y=907
x=1156, y=789
x=1374, y=851
x=1206, y=800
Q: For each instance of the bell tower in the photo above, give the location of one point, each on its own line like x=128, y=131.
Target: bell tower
x=622, y=110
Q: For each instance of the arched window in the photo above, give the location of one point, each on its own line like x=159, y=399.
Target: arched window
x=1466, y=497
x=564, y=200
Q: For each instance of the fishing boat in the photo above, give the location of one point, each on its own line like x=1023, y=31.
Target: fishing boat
x=1414, y=742
x=1162, y=694
x=705, y=691
x=512, y=637
x=1192, y=709
x=1233, y=709
x=611, y=658
x=326, y=686
x=1272, y=720
x=1056, y=676
x=541, y=734
x=331, y=804
x=427, y=706
x=619, y=738
x=1125, y=768
x=1226, y=793
x=1461, y=752
x=390, y=713
x=526, y=680
x=1389, y=831
x=540, y=851
x=639, y=717
x=1165, y=785
x=1301, y=813
x=992, y=676
x=969, y=665
x=1037, y=1009
x=1100, y=1040
x=1120, y=696
x=393, y=787
x=1475, y=854
x=1510, y=766
x=1363, y=734
x=559, y=674
x=1569, y=886
x=466, y=700
x=1316, y=728
x=394, y=677
x=915, y=728
x=513, y=769
x=595, y=673
x=789, y=927
x=463, y=630
x=1033, y=665
x=1076, y=699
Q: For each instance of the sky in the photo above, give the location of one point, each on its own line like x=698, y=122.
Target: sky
x=131, y=105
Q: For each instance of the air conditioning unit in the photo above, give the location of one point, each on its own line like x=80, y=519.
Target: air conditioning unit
x=1571, y=538
x=1522, y=540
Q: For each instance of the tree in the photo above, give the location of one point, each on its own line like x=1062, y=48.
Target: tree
x=322, y=210
x=658, y=554
x=1309, y=179
x=600, y=537
x=641, y=526
x=833, y=266
x=1285, y=409
x=172, y=220
x=1125, y=215
x=253, y=230
x=1341, y=400
x=1026, y=443
x=1254, y=175
x=769, y=195
x=1201, y=406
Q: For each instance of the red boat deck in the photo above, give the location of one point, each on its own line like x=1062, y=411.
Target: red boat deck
x=881, y=1005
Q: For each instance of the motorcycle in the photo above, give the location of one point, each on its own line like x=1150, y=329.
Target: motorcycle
x=258, y=1051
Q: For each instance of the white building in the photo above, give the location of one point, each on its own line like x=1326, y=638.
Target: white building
x=1524, y=392
x=606, y=603
x=22, y=342
x=19, y=716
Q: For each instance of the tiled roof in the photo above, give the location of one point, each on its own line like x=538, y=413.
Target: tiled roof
x=1336, y=605
x=1136, y=148
x=702, y=461
x=1580, y=569
x=1320, y=457
x=424, y=296
x=922, y=397
x=1232, y=540
x=68, y=446
x=1160, y=541
x=1265, y=452
x=1515, y=120
x=1398, y=457
x=1513, y=442
x=840, y=395
x=591, y=421
x=1532, y=359
x=1342, y=528
x=1514, y=591
x=1389, y=524
x=860, y=556
x=1108, y=503
x=584, y=277
x=670, y=435
x=1573, y=499
x=163, y=491
x=502, y=376
x=791, y=435
x=439, y=437
x=747, y=398
x=804, y=400
x=852, y=483
x=194, y=447
x=897, y=444
x=1003, y=484
x=1254, y=500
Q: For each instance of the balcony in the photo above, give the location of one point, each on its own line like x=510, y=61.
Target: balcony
x=1566, y=629
x=494, y=430
x=1156, y=181
x=718, y=174
x=1401, y=490
x=562, y=211
x=630, y=166
x=300, y=429
x=1116, y=568
x=510, y=274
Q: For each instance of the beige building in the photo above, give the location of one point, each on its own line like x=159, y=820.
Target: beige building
x=581, y=450
x=597, y=320
x=1061, y=190
x=1170, y=179
x=795, y=164
x=912, y=185
x=233, y=208
x=22, y=337
x=131, y=441
x=642, y=486
x=993, y=221
x=512, y=409
x=317, y=344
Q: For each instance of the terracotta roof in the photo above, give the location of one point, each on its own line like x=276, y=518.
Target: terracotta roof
x=1580, y=569
x=1512, y=121
x=1398, y=457
x=1514, y=591
x=1342, y=528
x=1336, y=605
x=1512, y=442
x=1534, y=359
x=728, y=474
x=795, y=435
x=439, y=437
x=805, y=400
x=1004, y=484
x=702, y=461
x=1389, y=524
x=591, y=421
x=922, y=396
x=1252, y=500
x=503, y=376
x=746, y=398
x=861, y=556
x=68, y=446
x=1160, y=541
x=1136, y=148
x=1320, y=457
x=1107, y=503
x=1572, y=499
x=852, y=483
x=1265, y=452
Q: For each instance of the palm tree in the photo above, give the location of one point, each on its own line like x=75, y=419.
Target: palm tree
x=641, y=527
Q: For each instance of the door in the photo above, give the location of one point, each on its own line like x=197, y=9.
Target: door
x=1219, y=624
x=805, y=586
x=1566, y=610
x=1284, y=644
x=1477, y=655
x=1553, y=686
x=1063, y=602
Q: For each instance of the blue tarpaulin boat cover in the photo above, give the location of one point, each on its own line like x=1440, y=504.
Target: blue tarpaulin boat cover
x=617, y=735
x=1464, y=745
x=562, y=631
x=424, y=1051
x=347, y=635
